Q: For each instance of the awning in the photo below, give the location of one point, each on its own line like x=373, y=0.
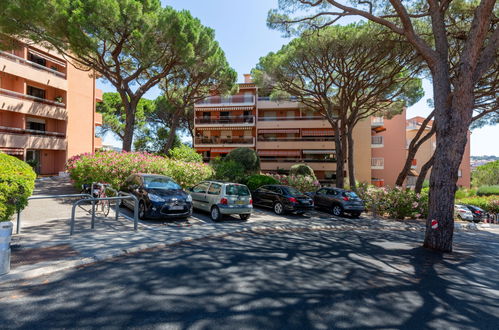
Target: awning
x=227, y=128
x=412, y=172
x=13, y=151
x=279, y=153
x=202, y=149
x=47, y=57
x=224, y=108
x=323, y=132
x=277, y=131
x=319, y=152
x=222, y=150
x=378, y=129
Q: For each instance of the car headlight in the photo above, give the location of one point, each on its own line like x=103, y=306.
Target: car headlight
x=189, y=199
x=156, y=198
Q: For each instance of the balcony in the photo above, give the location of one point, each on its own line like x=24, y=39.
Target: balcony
x=225, y=121
x=377, y=163
x=235, y=100
x=98, y=119
x=297, y=143
x=293, y=122
x=224, y=142
x=22, y=103
x=377, y=142
x=266, y=102
x=21, y=67
x=377, y=121
x=31, y=139
x=286, y=163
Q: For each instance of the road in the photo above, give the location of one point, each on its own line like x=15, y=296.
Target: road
x=274, y=280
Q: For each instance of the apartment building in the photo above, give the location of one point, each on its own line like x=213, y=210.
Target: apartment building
x=285, y=133
x=47, y=107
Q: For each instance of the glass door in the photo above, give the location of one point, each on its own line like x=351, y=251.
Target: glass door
x=33, y=159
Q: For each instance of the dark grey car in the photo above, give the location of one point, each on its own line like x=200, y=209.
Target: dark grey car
x=338, y=201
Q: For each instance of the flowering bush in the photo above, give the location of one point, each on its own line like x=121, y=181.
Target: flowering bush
x=114, y=167
x=395, y=202
x=303, y=183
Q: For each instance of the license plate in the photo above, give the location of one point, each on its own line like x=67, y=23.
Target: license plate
x=173, y=208
x=239, y=202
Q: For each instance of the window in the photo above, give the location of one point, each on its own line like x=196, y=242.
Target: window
x=378, y=162
x=214, y=189
x=157, y=182
x=332, y=192
x=36, y=92
x=237, y=190
x=37, y=59
x=35, y=124
x=201, y=188
x=275, y=190
x=459, y=173
x=322, y=191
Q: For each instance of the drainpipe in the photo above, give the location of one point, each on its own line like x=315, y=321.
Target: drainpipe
x=93, y=114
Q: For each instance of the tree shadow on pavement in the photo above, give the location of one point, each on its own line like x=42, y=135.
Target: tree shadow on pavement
x=275, y=280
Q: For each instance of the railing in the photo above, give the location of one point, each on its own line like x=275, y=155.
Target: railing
x=377, y=121
x=16, y=130
x=226, y=120
x=30, y=98
x=295, y=160
x=37, y=66
x=377, y=140
x=217, y=140
x=292, y=139
x=377, y=163
x=268, y=98
x=235, y=99
x=290, y=118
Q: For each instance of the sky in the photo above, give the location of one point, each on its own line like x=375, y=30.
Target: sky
x=240, y=28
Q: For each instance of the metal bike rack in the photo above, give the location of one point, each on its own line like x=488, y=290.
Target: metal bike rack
x=121, y=196
x=18, y=227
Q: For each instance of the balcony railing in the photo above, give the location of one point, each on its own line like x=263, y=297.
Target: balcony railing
x=16, y=130
x=377, y=141
x=377, y=163
x=295, y=160
x=377, y=121
x=30, y=98
x=26, y=62
x=226, y=100
x=290, y=118
x=225, y=120
x=218, y=140
x=268, y=98
x=292, y=139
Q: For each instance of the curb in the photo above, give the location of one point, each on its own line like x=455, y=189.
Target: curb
x=49, y=267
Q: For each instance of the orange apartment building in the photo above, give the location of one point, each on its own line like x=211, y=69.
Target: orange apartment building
x=47, y=108
x=285, y=133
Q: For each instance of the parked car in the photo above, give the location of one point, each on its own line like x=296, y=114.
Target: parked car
x=478, y=213
x=462, y=212
x=159, y=196
x=282, y=199
x=222, y=198
x=338, y=201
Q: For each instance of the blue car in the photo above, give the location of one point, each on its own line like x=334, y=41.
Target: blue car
x=159, y=197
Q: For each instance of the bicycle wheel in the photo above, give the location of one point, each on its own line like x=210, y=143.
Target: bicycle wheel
x=104, y=208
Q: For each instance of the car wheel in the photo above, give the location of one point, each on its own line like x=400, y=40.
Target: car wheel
x=337, y=210
x=278, y=208
x=244, y=217
x=142, y=211
x=215, y=214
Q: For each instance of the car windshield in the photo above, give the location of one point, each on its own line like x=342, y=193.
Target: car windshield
x=237, y=190
x=293, y=192
x=350, y=194
x=155, y=182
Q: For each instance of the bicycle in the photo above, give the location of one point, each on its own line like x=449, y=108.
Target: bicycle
x=98, y=190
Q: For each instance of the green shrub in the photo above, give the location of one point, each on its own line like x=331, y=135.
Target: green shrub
x=186, y=154
x=256, y=181
x=228, y=170
x=248, y=158
x=114, y=167
x=303, y=183
x=488, y=190
x=486, y=175
x=17, y=181
x=301, y=169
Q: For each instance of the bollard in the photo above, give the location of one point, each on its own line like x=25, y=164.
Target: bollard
x=5, y=235
x=92, y=223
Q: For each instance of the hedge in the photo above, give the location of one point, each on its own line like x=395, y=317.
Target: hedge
x=17, y=181
x=488, y=203
x=488, y=190
x=256, y=181
x=114, y=167
x=301, y=169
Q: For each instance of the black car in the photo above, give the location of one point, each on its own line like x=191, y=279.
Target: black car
x=159, y=196
x=282, y=199
x=338, y=201
x=478, y=213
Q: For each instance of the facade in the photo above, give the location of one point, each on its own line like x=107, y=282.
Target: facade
x=47, y=108
x=284, y=133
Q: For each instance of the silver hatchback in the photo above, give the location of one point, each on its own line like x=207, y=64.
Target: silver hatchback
x=222, y=198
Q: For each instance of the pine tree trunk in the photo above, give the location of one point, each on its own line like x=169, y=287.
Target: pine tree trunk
x=422, y=175
x=130, y=109
x=453, y=117
x=172, y=133
x=340, y=161
x=351, y=161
